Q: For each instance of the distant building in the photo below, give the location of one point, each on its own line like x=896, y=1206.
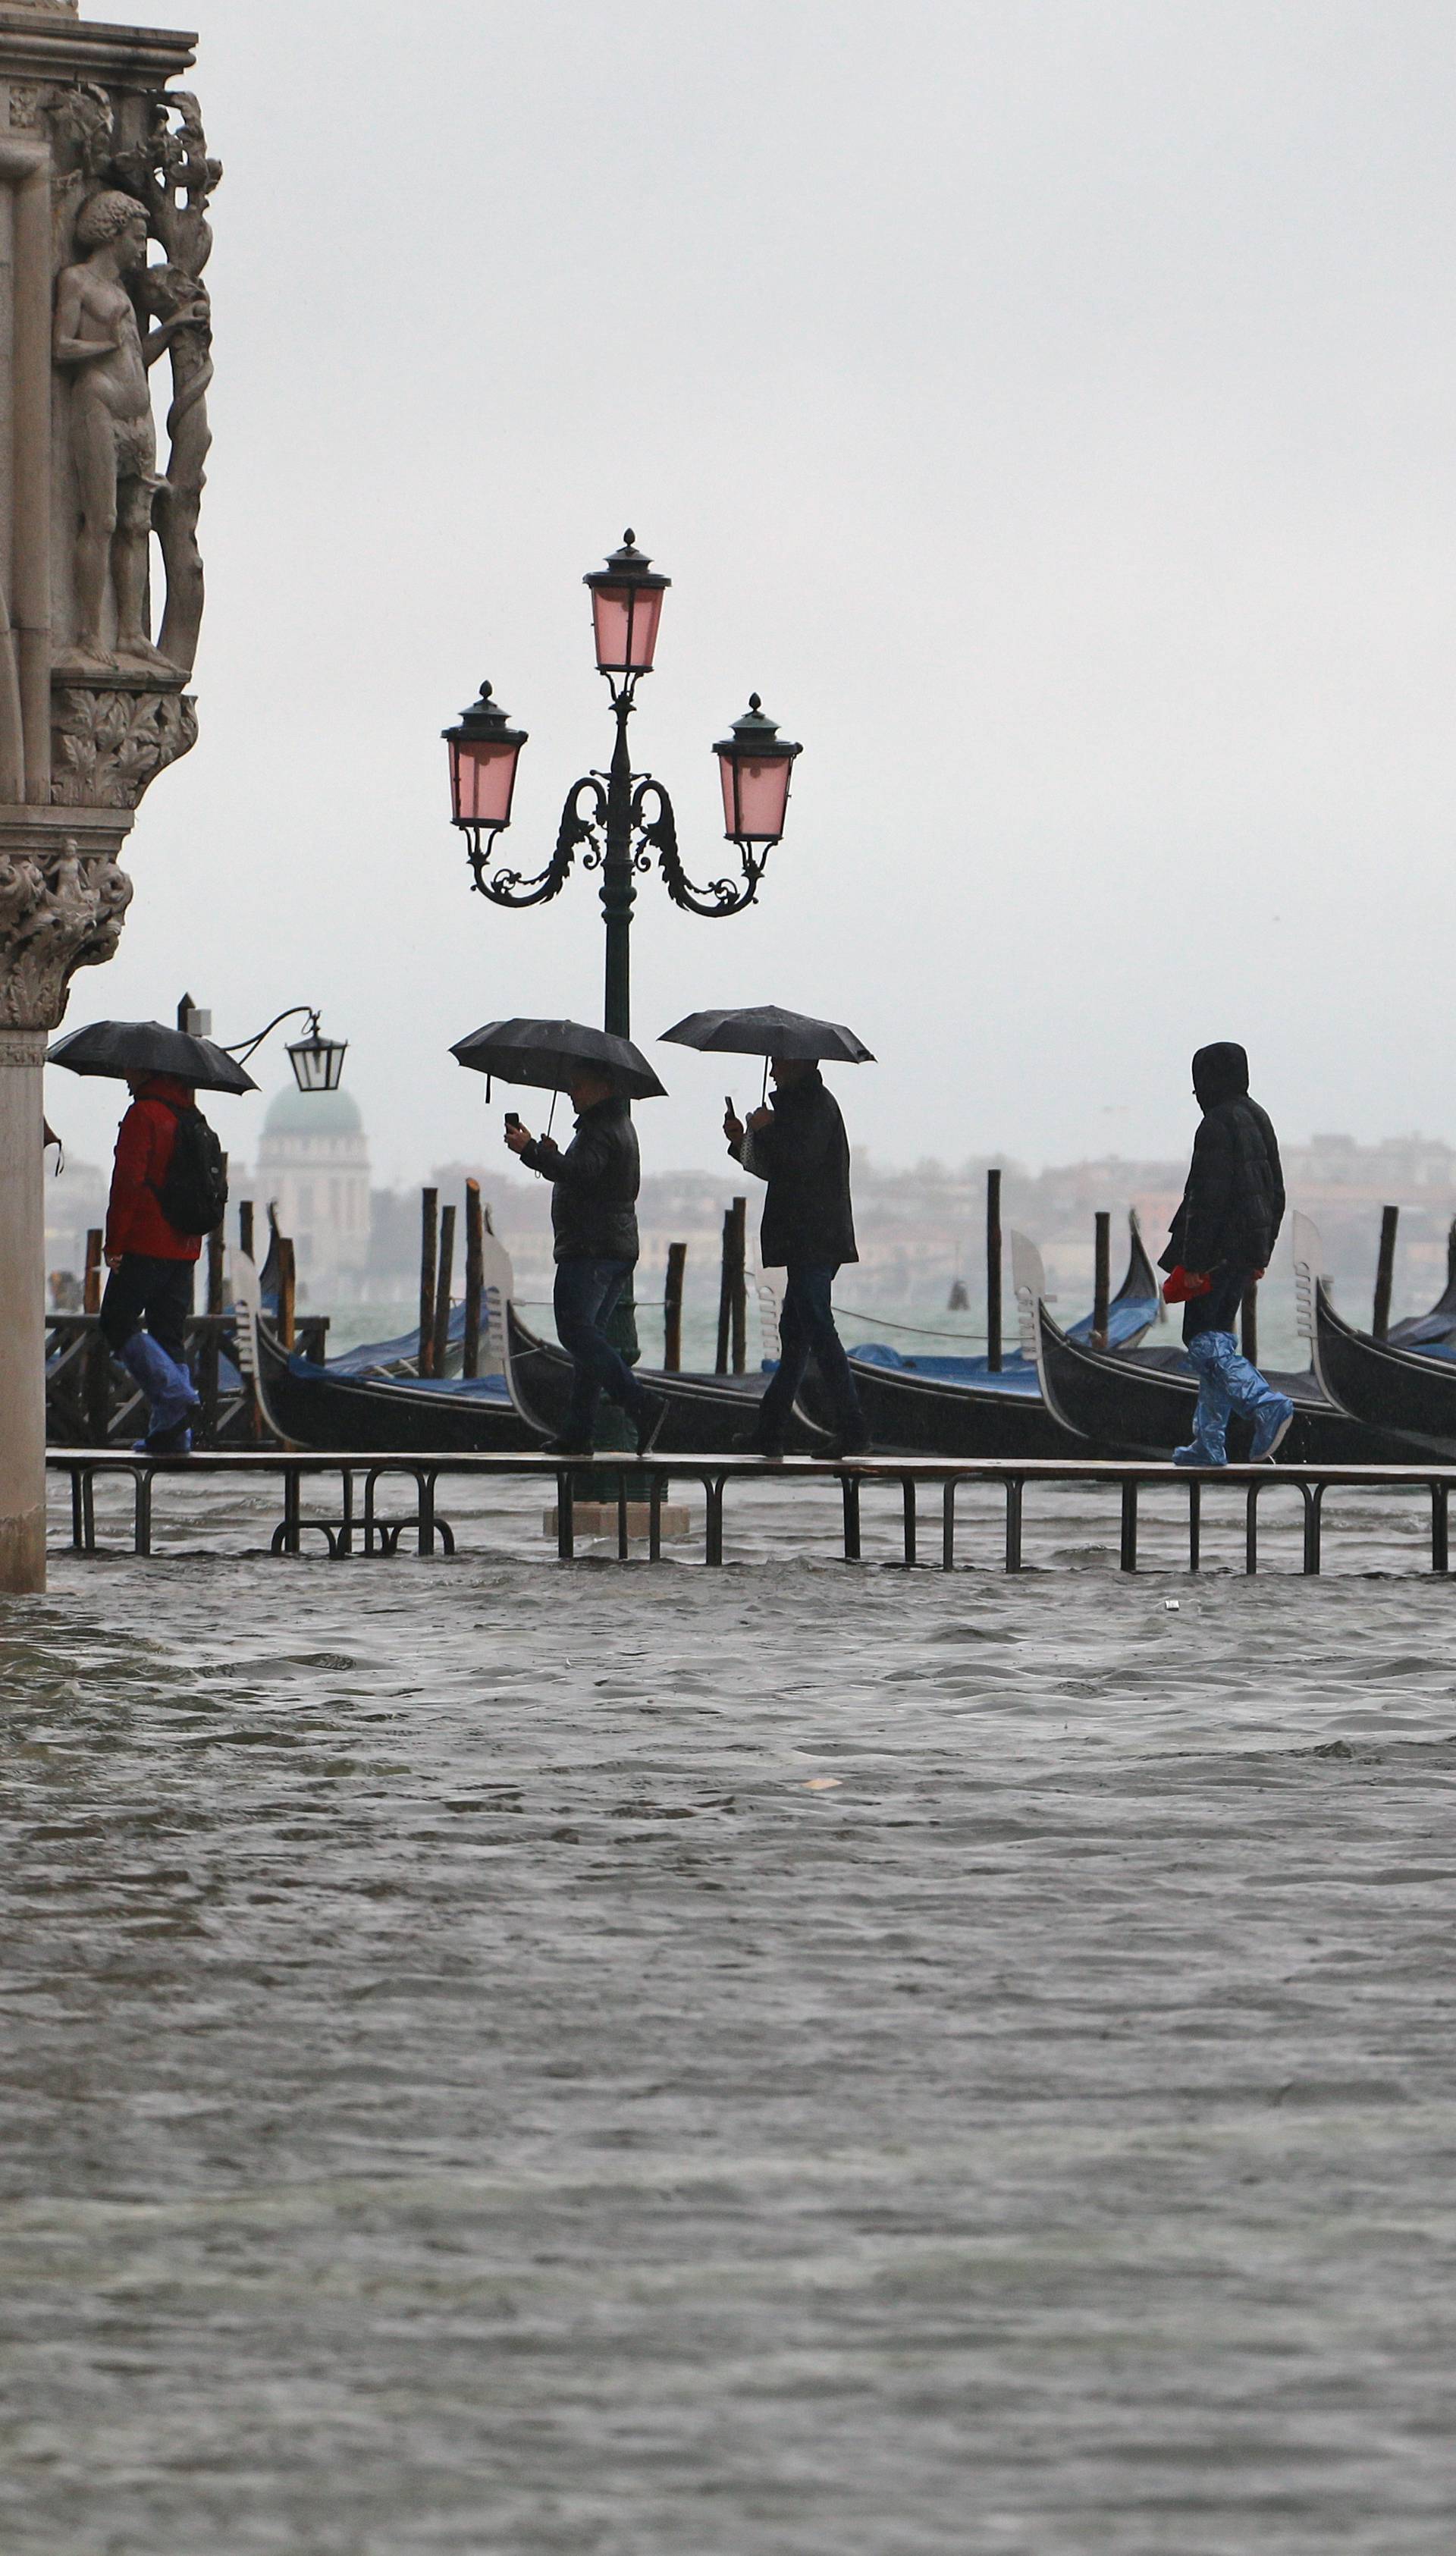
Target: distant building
x=314, y=1163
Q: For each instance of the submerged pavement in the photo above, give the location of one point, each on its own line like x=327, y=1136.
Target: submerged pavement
x=507, y=2058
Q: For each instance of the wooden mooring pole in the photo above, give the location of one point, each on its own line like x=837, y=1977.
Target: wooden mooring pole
x=429, y=1225
x=1249, y=1322
x=720, y=1359
x=212, y=1345
x=441, y=1340
x=738, y=1300
x=245, y=1227
x=1380, y=1321
x=993, y=1272
x=474, y=1261
x=673, y=1309
x=287, y=1282
x=1102, y=1275
x=98, y=1357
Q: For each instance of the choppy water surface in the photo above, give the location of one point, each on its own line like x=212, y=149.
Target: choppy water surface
x=499, y=2057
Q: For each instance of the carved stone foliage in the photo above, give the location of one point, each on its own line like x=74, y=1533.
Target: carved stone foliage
x=109, y=746
x=59, y=911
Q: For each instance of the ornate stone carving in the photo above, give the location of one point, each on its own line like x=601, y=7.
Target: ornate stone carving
x=111, y=743
x=110, y=199
x=25, y=105
x=113, y=437
x=59, y=911
x=176, y=180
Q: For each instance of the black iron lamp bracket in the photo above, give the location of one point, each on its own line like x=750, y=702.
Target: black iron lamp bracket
x=577, y=827
x=296, y=1011
x=657, y=831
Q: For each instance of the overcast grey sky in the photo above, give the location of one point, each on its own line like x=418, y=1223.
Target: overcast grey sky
x=1047, y=406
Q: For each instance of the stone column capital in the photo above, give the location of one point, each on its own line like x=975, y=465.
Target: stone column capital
x=62, y=902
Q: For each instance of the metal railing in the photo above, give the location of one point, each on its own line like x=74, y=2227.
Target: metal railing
x=359, y=1523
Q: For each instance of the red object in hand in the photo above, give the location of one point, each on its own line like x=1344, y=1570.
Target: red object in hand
x=1182, y=1283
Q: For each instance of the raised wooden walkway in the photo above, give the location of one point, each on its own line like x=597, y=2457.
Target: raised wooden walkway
x=358, y=1523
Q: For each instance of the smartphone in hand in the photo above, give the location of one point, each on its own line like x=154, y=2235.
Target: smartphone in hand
x=728, y=1105
x=513, y=1117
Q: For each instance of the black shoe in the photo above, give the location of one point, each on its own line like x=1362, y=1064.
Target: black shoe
x=649, y=1425
x=751, y=1444
x=567, y=1447
x=851, y=1441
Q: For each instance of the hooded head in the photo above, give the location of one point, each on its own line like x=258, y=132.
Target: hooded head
x=1220, y=1073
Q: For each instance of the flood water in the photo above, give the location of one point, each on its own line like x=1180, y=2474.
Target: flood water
x=501, y=2056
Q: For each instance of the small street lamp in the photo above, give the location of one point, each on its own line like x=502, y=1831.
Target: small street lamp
x=317, y=1061
x=619, y=818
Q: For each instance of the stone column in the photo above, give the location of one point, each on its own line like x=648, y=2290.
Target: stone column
x=100, y=165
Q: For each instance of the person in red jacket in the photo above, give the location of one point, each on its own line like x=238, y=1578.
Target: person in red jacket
x=150, y=1265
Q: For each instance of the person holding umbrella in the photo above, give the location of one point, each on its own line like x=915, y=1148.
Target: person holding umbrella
x=594, y=1186
x=167, y=1190
x=796, y=1144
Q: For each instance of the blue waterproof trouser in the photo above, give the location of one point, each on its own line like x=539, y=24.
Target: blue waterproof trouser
x=1225, y=1377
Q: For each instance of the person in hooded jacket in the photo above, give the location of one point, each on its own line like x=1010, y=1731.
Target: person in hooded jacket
x=799, y=1146
x=1220, y=1241
x=151, y=1264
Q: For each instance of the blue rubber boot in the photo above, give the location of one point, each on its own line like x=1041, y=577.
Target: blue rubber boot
x=1271, y=1427
x=171, y=1396
x=1211, y=1419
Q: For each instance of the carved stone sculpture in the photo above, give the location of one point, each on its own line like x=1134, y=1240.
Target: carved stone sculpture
x=59, y=912
x=113, y=437
x=104, y=299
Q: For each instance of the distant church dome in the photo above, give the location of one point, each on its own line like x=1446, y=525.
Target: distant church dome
x=313, y=1165
x=292, y=1113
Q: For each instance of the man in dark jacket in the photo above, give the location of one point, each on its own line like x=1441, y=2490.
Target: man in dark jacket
x=150, y=1265
x=799, y=1147
x=595, y=1187
x=1220, y=1242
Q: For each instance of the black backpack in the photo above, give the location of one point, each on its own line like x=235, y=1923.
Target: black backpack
x=192, y=1193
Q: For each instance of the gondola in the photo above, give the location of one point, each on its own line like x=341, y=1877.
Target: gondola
x=1139, y=1402
x=705, y=1413
x=1407, y=1392
x=957, y=1406
x=313, y=1406
x=356, y=1406
x=1433, y=1331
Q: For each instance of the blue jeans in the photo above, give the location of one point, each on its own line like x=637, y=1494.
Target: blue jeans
x=806, y=1331
x=586, y=1297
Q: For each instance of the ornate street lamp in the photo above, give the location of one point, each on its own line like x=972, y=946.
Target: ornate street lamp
x=621, y=819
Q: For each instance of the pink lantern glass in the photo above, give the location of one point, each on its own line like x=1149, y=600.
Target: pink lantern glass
x=484, y=749
x=626, y=608
x=754, y=765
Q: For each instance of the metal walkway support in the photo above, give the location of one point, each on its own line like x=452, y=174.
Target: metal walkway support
x=356, y=1522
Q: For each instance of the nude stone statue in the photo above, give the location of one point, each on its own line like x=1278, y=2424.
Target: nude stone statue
x=113, y=433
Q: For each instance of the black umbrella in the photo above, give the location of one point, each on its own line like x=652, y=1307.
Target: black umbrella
x=766, y=1029
x=120, y=1048
x=547, y=1054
